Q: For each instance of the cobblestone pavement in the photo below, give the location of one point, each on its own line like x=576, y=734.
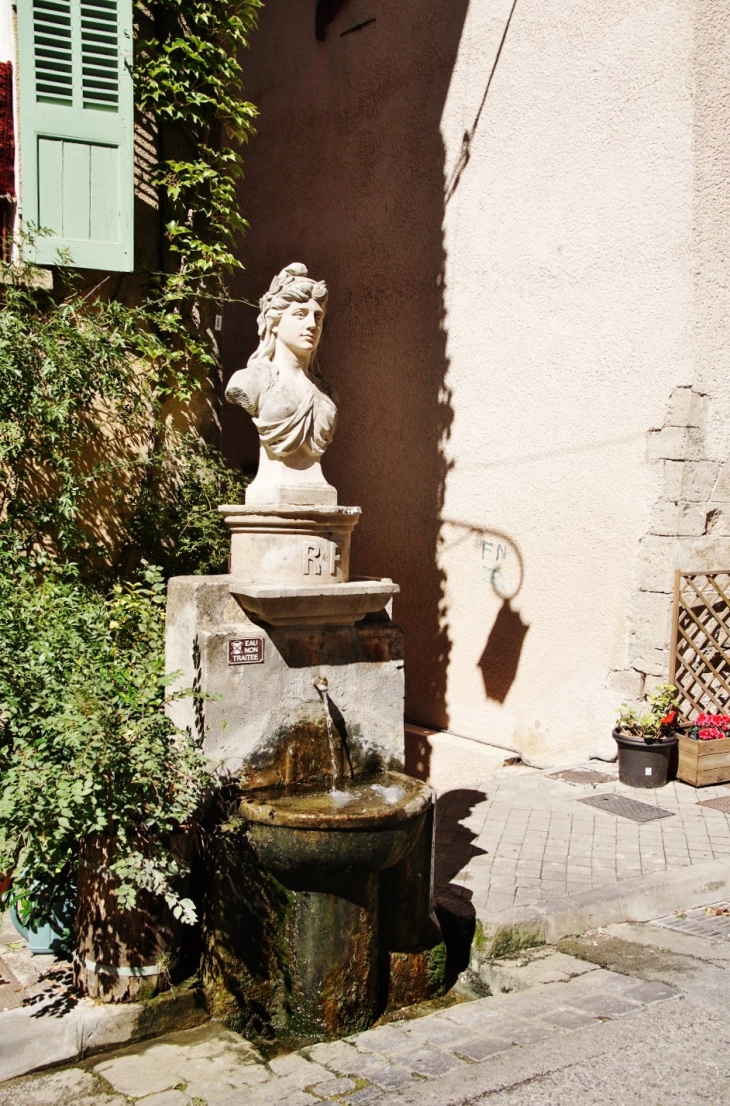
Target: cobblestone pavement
x=525, y=838
x=210, y=1066
x=522, y=839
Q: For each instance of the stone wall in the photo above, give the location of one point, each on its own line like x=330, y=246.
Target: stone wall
x=690, y=530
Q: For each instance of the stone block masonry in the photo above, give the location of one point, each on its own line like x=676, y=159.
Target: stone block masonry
x=689, y=530
x=259, y=683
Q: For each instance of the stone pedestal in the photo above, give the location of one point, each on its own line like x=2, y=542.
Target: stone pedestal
x=290, y=545
x=280, y=484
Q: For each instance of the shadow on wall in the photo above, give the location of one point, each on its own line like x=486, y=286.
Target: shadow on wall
x=417, y=758
x=503, y=568
x=501, y=657
x=347, y=175
x=454, y=850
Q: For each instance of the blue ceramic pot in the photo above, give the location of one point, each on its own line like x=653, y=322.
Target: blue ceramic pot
x=47, y=937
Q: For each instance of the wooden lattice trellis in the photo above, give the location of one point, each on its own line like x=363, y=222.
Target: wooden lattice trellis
x=700, y=659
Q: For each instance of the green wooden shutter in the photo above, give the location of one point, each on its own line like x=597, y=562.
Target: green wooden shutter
x=77, y=129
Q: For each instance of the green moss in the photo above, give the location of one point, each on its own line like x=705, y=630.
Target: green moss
x=479, y=942
x=247, y=955
x=436, y=969
x=506, y=940
x=182, y=1007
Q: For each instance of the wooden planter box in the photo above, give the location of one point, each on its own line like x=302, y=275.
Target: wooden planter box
x=703, y=762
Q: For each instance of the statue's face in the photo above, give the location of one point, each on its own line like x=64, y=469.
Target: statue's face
x=300, y=327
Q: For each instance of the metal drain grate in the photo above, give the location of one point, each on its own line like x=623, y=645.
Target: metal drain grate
x=581, y=776
x=706, y=921
x=723, y=803
x=627, y=808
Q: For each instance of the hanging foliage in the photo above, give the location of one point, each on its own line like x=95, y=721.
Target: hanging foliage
x=104, y=492
x=188, y=77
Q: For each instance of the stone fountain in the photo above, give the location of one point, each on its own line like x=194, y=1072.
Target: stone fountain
x=318, y=911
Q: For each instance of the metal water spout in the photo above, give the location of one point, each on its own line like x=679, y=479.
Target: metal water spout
x=321, y=686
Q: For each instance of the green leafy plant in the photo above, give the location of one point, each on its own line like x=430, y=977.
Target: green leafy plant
x=86, y=746
x=92, y=469
x=655, y=724
x=105, y=490
x=85, y=743
x=188, y=78
x=176, y=523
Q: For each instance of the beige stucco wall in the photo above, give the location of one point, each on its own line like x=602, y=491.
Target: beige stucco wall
x=510, y=313
x=711, y=206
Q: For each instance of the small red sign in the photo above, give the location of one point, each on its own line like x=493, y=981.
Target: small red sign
x=246, y=650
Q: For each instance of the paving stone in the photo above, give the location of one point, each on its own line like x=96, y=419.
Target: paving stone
x=529, y=820
x=365, y=1096
x=383, y=1038
x=531, y=1033
x=331, y=1087
x=481, y=1048
x=601, y=981
x=259, y=1096
x=605, y=1006
x=472, y=1015
x=143, y=1074
x=570, y=1019
x=220, y=1079
x=206, y=1054
x=294, y=1065
x=338, y=1055
x=428, y=1061
x=220, y=1092
x=651, y=992
x=525, y=1004
x=166, y=1098
x=441, y=1032
x=71, y=1086
x=391, y=1076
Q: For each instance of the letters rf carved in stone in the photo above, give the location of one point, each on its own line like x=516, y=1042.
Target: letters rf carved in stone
x=318, y=556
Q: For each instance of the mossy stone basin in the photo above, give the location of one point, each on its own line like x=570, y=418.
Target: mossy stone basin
x=364, y=825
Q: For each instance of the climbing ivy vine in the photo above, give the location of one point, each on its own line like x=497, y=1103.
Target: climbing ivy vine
x=188, y=77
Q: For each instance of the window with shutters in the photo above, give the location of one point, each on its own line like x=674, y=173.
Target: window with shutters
x=77, y=129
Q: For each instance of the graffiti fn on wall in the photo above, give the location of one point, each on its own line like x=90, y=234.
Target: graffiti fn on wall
x=494, y=557
x=501, y=565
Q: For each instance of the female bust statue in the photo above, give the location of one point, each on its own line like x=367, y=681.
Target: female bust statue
x=292, y=407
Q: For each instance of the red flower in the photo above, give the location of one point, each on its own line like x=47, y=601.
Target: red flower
x=669, y=719
x=711, y=733
x=720, y=720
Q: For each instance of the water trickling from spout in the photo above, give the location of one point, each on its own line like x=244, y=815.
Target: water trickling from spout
x=321, y=687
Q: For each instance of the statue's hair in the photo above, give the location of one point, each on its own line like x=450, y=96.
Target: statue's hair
x=291, y=285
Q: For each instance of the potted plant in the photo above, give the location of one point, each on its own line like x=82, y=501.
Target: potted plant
x=45, y=922
x=704, y=750
x=647, y=742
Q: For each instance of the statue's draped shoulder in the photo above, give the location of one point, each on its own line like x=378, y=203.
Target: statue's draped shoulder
x=247, y=386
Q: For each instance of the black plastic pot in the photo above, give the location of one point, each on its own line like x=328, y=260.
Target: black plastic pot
x=646, y=764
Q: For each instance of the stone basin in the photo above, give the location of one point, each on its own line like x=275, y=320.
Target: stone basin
x=314, y=604
x=365, y=826
x=328, y=848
